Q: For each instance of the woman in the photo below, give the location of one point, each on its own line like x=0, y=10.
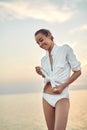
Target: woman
x=55, y=69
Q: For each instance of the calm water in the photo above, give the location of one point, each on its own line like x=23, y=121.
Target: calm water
x=24, y=112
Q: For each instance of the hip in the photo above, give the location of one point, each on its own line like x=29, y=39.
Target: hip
x=49, y=90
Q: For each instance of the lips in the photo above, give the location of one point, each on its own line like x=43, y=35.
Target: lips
x=44, y=47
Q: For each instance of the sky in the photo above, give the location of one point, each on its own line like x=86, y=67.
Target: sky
x=19, y=53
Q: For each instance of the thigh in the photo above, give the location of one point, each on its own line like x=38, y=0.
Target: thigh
x=61, y=114
x=49, y=113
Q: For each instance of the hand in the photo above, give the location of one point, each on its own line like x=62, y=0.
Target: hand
x=58, y=89
x=38, y=70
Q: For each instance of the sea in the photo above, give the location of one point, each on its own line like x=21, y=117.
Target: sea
x=25, y=111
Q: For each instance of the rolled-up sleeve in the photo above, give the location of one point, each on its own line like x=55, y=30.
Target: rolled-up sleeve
x=71, y=57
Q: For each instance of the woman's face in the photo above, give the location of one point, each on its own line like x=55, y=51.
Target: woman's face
x=43, y=41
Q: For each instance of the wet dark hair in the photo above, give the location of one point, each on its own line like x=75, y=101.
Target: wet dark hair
x=45, y=32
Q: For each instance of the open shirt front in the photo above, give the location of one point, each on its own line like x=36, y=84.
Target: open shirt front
x=64, y=60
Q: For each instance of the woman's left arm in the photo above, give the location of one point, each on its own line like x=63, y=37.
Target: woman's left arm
x=75, y=66
x=73, y=77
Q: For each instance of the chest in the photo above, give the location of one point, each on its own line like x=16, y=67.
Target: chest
x=59, y=60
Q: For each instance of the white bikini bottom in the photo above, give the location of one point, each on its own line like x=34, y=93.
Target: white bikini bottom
x=53, y=99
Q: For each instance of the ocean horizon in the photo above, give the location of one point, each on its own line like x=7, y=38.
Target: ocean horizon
x=30, y=89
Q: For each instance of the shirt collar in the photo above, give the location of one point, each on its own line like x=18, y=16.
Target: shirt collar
x=53, y=51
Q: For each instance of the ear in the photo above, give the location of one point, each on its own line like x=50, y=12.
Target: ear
x=49, y=35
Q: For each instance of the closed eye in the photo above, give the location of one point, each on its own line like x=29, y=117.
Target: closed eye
x=41, y=40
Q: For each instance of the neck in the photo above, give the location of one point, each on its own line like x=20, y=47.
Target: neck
x=51, y=47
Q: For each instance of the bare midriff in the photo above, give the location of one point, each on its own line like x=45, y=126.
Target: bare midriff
x=48, y=89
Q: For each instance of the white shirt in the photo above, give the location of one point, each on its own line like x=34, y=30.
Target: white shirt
x=64, y=60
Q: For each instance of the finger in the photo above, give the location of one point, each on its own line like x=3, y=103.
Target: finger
x=39, y=72
x=55, y=90
x=37, y=67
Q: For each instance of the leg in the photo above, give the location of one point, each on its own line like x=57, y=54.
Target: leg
x=49, y=113
x=61, y=114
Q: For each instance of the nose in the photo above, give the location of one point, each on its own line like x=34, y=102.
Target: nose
x=40, y=44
